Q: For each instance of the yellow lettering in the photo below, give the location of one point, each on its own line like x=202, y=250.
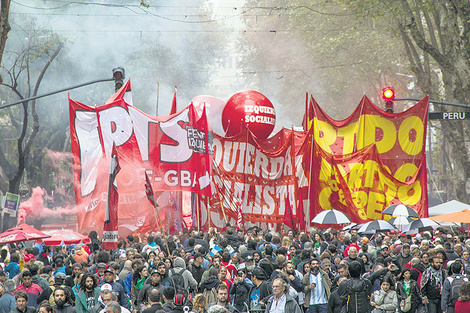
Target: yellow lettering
x=375, y=128
x=410, y=135
x=324, y=134
x=349, y=134
x=375, y=205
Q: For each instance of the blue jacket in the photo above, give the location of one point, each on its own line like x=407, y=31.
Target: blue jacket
x=12, y=269
x=7, y=303
x=117, y=287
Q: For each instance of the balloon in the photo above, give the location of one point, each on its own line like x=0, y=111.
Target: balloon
x=252, y=109
x=214, y=108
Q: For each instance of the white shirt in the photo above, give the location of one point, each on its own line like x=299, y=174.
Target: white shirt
x=318, y=295
x=278, y=306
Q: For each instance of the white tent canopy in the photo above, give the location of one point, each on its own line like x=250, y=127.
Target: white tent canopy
x=448, y=207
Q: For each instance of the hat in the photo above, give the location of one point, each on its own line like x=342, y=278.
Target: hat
x=109, y=270
x=106, y=287
x=402, y=235
x=449, y=236
x=308, y=245
x=60, y=276
x=365, y=240
x=437, y=239
x=197, y=255
x=250, y=257
x=467, y=242
x=101, y=264
x=384, y=247
x=77, y=265
x=28, y=257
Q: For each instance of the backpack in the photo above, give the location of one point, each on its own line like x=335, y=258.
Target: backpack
x=358, y=300
x=455, y=283
x=210, y=295
x=178, y=279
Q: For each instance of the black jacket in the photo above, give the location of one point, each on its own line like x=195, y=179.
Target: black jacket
x=239, y=293
x=67, y=308
x=416, y=297
x=334, y=303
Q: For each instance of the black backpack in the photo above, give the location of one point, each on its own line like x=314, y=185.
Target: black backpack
x=178, y=279
x=455, y=283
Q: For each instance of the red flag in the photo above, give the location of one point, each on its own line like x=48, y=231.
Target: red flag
x=110, y=229
x=173, y=104
x=124, y=92
x=289, y=218
x=239, y=217
x=308, y=116
x=149, y=191
x=301, y=214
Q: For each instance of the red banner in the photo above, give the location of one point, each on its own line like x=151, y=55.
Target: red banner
x=175, y=151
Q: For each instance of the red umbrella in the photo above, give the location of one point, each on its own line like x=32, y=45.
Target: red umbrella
x=64, y=237
x=23, y=232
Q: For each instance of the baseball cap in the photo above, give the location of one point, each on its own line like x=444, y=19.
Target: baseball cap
x=109, y=270
x=402, y=235
x=449, y=236
x=384, y=247
x=197, y=254
x=106, y=287
x=101, y=264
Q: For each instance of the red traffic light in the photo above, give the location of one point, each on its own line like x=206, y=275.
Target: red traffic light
x=388, y=93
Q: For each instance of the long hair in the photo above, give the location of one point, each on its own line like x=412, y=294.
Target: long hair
x=464, y=292
x=137, y=274
x=200, y=303
x=83, y=280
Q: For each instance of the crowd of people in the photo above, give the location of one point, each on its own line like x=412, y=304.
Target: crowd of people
x=243, y=271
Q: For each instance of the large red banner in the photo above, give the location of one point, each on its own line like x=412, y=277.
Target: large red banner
x=175, y=151
x=359, y=165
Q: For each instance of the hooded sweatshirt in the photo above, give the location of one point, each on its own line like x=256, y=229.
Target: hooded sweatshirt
x=188, y=279
x=165, y=280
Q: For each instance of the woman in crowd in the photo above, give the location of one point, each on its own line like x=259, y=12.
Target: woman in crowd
x=138, y=279
x=319, y=243
x=407, y=287
x=199, y=304
x=463, y=304
x=385, y=299
x=225, y=278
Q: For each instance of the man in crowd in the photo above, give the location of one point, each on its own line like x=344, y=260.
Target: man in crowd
x=431, y=285
x=21, y=301
x=154, y=299
x=222, y=297
x=117, y=287
x=260, y=290
x=7, y=301
x=317, y=286
x=88, y=295
x=62, y=301
x=153, y=285
x=33, y=290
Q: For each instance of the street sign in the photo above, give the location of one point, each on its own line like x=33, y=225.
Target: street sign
x=12, y=203
x=24, y=191
x=449, y=115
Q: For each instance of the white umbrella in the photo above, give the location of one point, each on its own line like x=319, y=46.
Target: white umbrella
x=376, y=226
x=421, y=224
x=331, y=217
x=400, y=210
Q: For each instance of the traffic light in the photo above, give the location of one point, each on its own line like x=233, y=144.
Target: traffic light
x=118, y=76
x=388, y=94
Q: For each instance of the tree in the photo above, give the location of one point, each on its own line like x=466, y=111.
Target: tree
x=34, y=58
x=4, y=27
x=435, y=35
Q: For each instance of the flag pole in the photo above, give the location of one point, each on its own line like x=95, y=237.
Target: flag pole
x=208, y=212
x=157, y=215
x=158, y=92
x=197, y=213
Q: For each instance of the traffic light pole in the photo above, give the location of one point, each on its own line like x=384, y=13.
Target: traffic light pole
x=435, y=102
x=55, y=92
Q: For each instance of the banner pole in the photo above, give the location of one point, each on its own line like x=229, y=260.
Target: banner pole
x=197, y=214
x=158, y=93
x=208, y=213
x=157, y=215
x=310, y=180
